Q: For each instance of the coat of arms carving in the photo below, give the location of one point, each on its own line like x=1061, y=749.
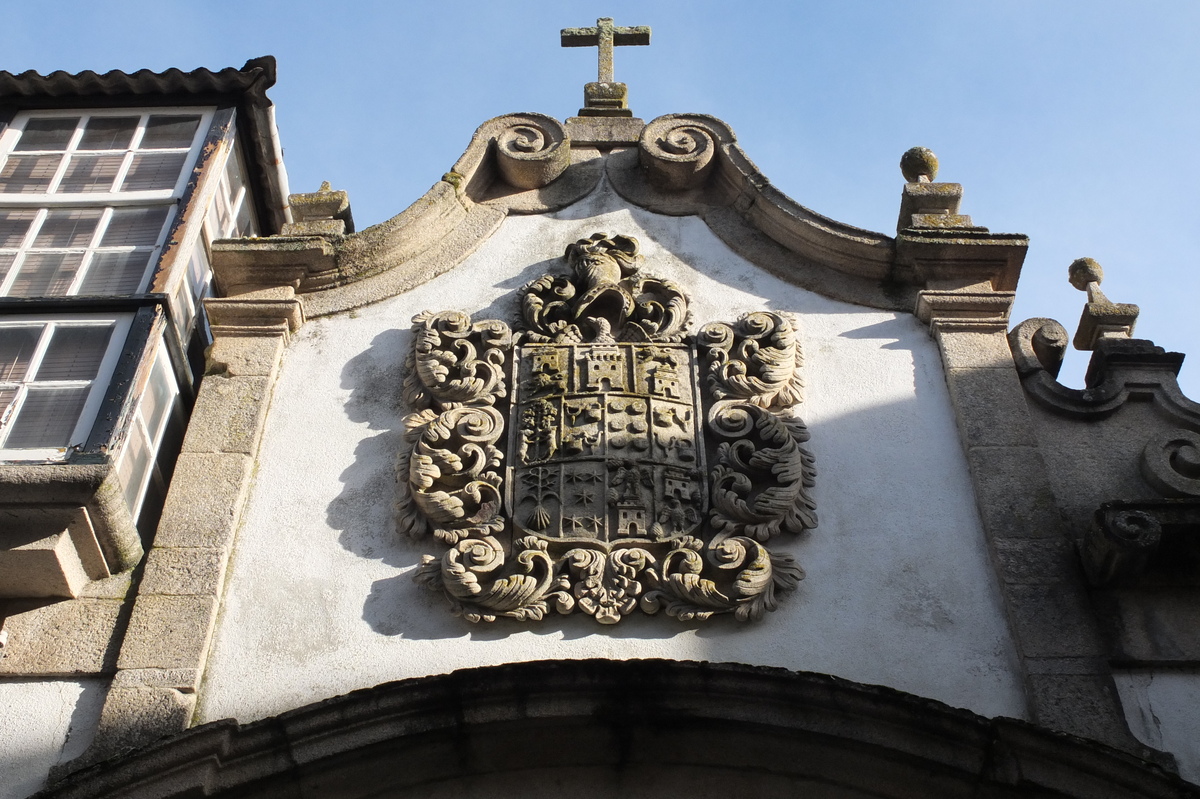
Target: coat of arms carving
x=601, y=458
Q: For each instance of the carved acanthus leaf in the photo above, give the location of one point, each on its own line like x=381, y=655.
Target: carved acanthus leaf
x=457, y=362
x=761, y=482
x=756, y=360
x=610, y=504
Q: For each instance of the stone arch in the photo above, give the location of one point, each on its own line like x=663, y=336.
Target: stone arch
x=649, y=728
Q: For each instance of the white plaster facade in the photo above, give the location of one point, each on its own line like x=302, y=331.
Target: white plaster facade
x=319, y=598
x=1161, y=707
x=44, y=723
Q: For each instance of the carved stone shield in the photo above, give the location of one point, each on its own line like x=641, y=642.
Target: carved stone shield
x=607, y=443
x=600, y=458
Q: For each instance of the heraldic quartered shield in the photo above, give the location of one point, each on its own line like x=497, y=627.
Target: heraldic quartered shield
x=600, y=458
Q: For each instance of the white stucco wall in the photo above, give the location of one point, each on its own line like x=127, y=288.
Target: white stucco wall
x=43, y=723
x=1160, y=705
x=320, y=599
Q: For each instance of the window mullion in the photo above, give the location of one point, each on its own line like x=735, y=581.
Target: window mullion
x=39, y=352
x=26, y=245
x=35, y=227
x=65, y=158
x=6, y=284
x=140, y=133
x=89, y=255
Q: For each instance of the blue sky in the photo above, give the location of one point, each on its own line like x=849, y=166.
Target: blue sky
x=1076, y=123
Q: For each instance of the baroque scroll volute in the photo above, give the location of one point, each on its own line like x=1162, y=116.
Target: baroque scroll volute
x=601, y=459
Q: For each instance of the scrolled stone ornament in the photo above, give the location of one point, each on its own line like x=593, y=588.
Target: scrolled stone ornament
x=733, y=575
x=756, y=360
x=532, y=150
x=1171, y=463
x=585, y=484
x=608, y=586
x=452, y=477
x=761, y=482
x=677, y=150
x=473, y=575
x=455, y=360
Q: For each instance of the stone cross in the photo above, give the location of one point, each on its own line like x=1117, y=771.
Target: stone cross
x=605, y=97
x=605, y=36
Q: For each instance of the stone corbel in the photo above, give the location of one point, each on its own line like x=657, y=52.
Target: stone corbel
x=264, y=312
x=320, y=213
x=972, y=308
x=245, y=266
x=61, y=527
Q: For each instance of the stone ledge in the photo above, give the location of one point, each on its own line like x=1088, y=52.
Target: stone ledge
x=33, y=490
x=68, y=638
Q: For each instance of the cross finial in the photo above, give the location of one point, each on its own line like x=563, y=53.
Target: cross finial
x=605, y=97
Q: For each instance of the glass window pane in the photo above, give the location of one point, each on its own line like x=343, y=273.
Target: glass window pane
x=160, y=392
x=115, y=272
x=182, y=309
x=233, y=172
x=47, y=134
x=14, y=225
x=245, y=222
x=108, y=133
x=74, y=353
x=152, y=171
x=68, y=228
x=135, y=462
x=47, y=417
x=170, y=131
x=6, y=262
x=28, y=174
x=134, y=227
x=7, y=397
x=90, y=173
x=45, y=274
x=16, y=349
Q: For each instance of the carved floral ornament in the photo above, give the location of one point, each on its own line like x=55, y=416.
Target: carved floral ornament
x=600, y=458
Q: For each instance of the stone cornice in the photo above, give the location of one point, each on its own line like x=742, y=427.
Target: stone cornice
x=678, y=164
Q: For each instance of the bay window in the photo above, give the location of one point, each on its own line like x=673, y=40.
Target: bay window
x=53, y=372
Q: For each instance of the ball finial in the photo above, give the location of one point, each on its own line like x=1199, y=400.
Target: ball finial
x=918, y=163
x=1084, y=271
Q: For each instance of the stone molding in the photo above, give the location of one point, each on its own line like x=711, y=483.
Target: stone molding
x=1121, y=370
x=634, y=728
x=677, y=164
x=1067, y=678
x=162, y=656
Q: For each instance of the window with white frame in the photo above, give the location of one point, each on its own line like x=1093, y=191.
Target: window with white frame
x=156, y=408
x=232, y=212
x=87, y=198
x=53, y=373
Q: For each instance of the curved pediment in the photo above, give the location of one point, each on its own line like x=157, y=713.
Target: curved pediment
x=676, y=165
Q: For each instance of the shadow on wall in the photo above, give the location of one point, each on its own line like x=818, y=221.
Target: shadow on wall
x=30, y=747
